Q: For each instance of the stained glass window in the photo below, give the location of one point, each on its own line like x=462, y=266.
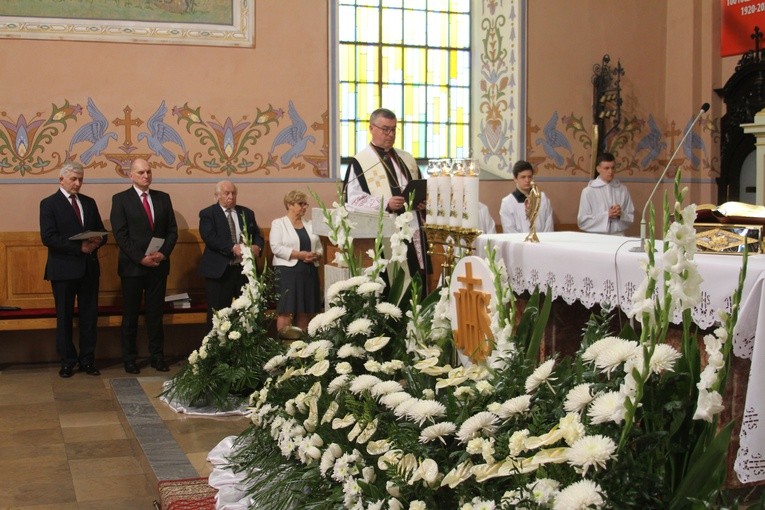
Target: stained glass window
x=412, y=57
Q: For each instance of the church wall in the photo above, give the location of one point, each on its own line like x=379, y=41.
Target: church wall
x=670, y=54
x=204, y=89
x=669, y=51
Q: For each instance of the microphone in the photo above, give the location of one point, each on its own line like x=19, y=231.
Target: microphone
x=640, y=248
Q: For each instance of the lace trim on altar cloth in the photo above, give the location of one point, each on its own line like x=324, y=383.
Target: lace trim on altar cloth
x=603, y=293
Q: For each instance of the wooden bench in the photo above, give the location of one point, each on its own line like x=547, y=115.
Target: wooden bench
x=22, y=265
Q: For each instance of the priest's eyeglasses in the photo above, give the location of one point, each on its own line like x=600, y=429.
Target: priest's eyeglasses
x=386, y=130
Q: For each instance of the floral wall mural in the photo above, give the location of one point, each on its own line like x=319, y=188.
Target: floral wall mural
x=270, y=141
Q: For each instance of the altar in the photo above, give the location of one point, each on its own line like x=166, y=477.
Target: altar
x=600, y=270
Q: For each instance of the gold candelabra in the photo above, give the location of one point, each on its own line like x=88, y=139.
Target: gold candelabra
x=450, y=242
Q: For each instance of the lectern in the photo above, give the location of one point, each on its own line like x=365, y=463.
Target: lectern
x=364, y=233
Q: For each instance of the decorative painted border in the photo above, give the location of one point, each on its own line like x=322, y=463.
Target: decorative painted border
x=498, y=109
x=240, y=33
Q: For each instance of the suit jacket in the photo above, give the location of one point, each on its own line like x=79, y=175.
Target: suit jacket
x=283, y=239
x=58, y=222
x=213, y=227
x=132, y=232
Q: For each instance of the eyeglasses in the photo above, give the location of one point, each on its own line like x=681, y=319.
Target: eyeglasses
x=385, y=129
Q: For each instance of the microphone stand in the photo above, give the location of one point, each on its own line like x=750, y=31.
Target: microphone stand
x=641, y=248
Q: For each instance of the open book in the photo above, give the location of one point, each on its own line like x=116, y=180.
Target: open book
x=731, y=212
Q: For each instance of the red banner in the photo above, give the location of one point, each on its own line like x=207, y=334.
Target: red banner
x=739, y=17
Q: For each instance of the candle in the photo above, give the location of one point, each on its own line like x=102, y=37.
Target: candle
x=444, y=199
x=470, y=216
x=458, y=199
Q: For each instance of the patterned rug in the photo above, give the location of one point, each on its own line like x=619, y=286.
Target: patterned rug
x=187, y=494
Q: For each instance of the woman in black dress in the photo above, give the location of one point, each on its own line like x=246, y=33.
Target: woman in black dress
x=297, y=251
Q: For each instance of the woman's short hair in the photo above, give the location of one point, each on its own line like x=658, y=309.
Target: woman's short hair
x=294, y=197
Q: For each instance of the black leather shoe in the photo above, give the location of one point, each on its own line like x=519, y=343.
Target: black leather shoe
x=66, y=371
x=160, y=365
x=90, y=369
x=131, y=367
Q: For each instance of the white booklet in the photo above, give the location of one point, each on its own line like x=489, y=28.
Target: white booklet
x=154, y=245
x=87, y=235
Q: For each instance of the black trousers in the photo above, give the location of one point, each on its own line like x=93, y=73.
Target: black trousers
x=85, y=290
x=219, y=292
x=151, y=288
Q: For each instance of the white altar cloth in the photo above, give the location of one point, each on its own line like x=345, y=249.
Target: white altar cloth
x=600, y=269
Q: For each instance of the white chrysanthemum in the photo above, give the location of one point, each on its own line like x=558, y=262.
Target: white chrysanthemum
x=581, y=495
x=343, y=368
x=578, y=398
x=337, y=384
x=360, y=326
x=376, y=343
x=543, y=490
x=234, y=335
x=618, y=352
x=388, y=309
x=193, y=357
x=424, y=410
x=363, y=383
x=540, y=375
x=663, y=359
x=402, y=409
x=437, y=431
x=484, y=388
x=275, y=362
x=386, y=387
x=483, y=423
x=607, y=407
x=325, y=320
x=418, y=505
x=372, y=366
x=350, y=351
x=591, y=451
x=517, y=442
x=391, y=367
x=514, y=406
x=370, y=288
x=467, y=393
x=392, y=400
x=604, y=344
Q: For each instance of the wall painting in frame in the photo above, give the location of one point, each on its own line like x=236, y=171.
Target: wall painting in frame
x=193, y=22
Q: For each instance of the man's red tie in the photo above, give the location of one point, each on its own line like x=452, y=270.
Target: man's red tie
x=76, y=208
x=147, y=208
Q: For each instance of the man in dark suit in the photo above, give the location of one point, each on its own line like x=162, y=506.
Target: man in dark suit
x=221, y=226
x=139, y=215
x=72, y=266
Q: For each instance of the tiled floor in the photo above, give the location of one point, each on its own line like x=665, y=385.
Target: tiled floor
x=67, y=444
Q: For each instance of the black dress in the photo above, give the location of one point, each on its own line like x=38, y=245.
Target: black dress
x=299, y=284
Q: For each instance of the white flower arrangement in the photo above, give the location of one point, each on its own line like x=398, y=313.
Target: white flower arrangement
x=370, y=411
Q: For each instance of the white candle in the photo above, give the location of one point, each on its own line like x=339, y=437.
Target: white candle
x=444, y=199
x=458, y=198
x=431, y=210
x=470, y=217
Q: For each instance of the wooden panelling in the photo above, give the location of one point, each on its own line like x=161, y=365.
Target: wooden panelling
x=22, y=266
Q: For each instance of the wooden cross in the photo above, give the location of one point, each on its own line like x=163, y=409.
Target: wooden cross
x=128, y=122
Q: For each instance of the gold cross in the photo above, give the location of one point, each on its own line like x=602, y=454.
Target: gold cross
x=128, y=122
x=473, y=334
